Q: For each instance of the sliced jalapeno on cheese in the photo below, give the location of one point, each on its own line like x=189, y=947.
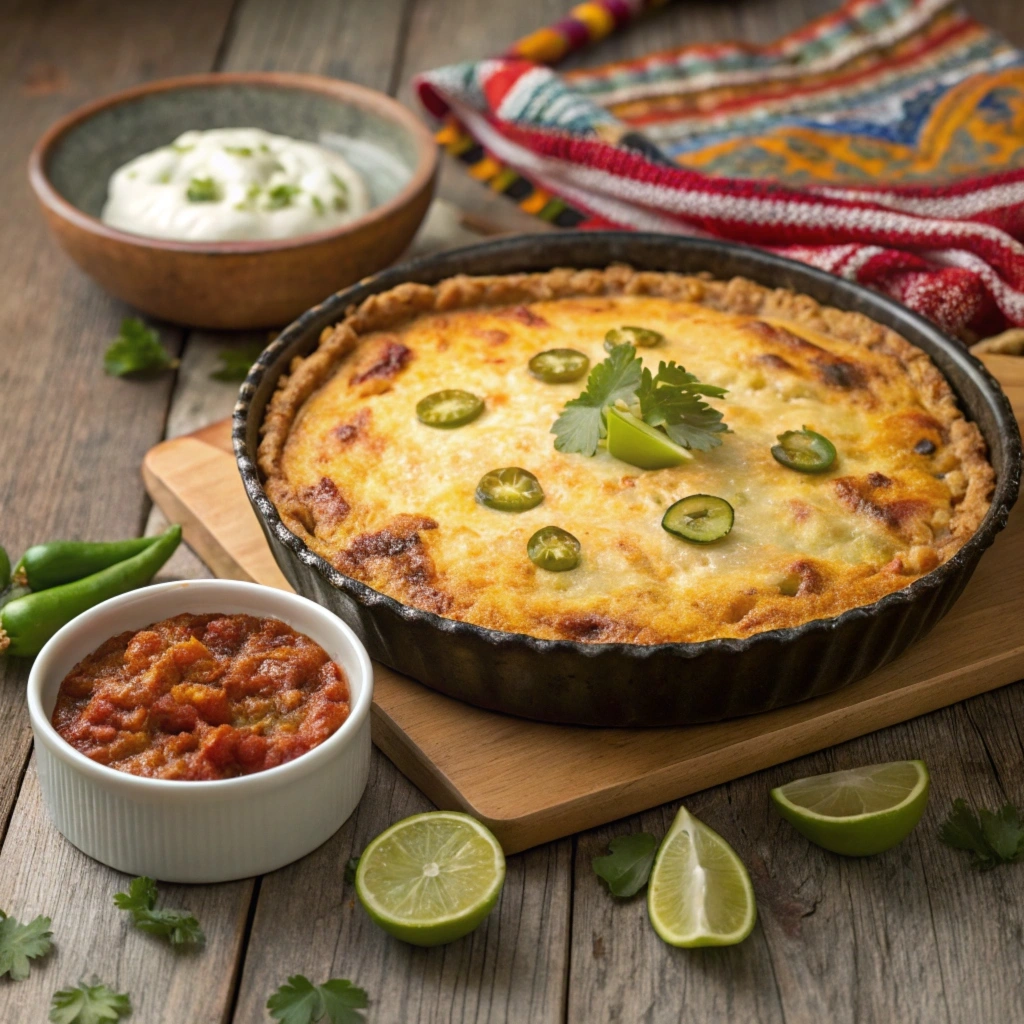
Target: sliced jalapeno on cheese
x=559, y=365
x=700, y=517
x=554, y=549
x=805, y=451
x=638, y=337
x=447, y=409
x=509, y=490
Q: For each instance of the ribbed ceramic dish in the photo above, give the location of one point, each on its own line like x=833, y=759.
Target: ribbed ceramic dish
x=628, y=684
x=201, y=831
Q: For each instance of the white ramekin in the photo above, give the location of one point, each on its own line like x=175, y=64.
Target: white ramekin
x=201, y=831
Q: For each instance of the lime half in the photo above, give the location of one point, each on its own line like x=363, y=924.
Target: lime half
x=860, y=811
x=431, y=878
x=699, y=893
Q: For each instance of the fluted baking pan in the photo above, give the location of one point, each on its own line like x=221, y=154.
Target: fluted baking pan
x=627, y=684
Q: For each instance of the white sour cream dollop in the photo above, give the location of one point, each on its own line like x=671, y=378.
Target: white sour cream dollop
x=233, y=184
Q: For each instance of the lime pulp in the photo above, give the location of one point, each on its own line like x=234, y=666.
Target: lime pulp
x=635, y=442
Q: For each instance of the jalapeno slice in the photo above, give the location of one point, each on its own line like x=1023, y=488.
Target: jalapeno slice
x=638, y=337
x=509, y=490
x=700, y=517
x=554, y=549
x=805, y=451
x=559, y=365
x=447, y=409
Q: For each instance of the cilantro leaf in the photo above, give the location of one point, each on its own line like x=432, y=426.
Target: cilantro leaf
x=281, y=196
x=89, y=1004
x=350, y=870
x=136, y=349
x=627, y=866
x=236, y=363
x=991, y=838
x=301, y=1002
x=582, y=424
x=177, y=926
x=20, y=943
x=671, y=400
x=204, y=190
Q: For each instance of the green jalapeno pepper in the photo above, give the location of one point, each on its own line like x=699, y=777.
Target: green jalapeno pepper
x=29, y=621
x=62, y=561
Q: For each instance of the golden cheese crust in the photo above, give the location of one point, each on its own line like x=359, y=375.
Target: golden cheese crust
x=390, y=501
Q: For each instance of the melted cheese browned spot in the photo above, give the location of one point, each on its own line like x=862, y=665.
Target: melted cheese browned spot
x=395, y=508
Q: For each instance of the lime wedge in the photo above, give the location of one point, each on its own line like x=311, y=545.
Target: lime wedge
x=860, y=811
x=633, y=441
x=431, y=878
x=699, y=893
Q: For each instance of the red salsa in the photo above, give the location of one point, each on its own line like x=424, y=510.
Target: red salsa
x=200, y=697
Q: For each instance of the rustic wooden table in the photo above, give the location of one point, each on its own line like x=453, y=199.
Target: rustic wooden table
x=912, y=935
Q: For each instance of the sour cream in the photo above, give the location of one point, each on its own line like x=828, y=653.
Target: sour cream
x=233, y=184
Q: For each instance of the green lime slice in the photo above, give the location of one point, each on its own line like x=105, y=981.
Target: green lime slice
x=633, y=441
x=509, y=490
x=559, y=365
x=699, y=893
x=448, y=409
x=859, y=811
x=554, y=549
x=431, y=878
x=804, y=450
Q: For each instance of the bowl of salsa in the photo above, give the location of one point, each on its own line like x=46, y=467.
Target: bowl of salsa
x=201, y=731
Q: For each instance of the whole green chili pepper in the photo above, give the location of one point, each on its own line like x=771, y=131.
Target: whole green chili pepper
x=5, y=568
x=28, y=622
x=62, y=561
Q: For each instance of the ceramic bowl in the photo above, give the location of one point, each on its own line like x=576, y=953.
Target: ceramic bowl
x=234, y=284
x=201, y=831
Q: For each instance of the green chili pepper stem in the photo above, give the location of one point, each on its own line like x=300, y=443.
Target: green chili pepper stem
x=28, y=622
x=5, y=568
x=63, y=561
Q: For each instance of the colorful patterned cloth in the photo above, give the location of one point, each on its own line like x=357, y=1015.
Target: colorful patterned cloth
x=884, y=143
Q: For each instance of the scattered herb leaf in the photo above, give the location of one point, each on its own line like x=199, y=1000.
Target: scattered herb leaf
x=237, y=362
x=136, y=349
x=318, y=204
x=20, y=943
x=990, y=838
x=252, y=193
x=581, y=423
x=89, y=1004
x=350, y=870
x=203, y=190
x=177, y=926
x=281, y=196
x=301, y=1002
x=627, y=865
x=238, y=150
x=671, y=400
x=181, y=149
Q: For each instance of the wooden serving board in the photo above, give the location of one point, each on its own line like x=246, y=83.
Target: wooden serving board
x=531, y=782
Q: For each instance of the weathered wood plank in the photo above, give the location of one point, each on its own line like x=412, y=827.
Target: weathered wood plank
x=308, y=921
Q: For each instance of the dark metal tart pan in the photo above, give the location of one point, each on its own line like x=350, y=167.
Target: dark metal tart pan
x=626, y=684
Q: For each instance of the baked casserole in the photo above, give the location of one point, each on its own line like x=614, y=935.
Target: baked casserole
x=615, y=456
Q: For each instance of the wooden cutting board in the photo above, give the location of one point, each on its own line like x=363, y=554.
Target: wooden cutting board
x=531, y=782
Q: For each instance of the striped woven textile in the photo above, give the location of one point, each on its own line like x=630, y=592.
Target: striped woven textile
x=883, y=143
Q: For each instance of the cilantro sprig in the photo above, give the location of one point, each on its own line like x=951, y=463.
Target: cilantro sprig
x=136, y=349
x=627, y=865
x=20, y=943
x=991, y=838
x=671, y=400
x=301, y=1002
x=177, y=926
x=89, y=1004
x=236, y=362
